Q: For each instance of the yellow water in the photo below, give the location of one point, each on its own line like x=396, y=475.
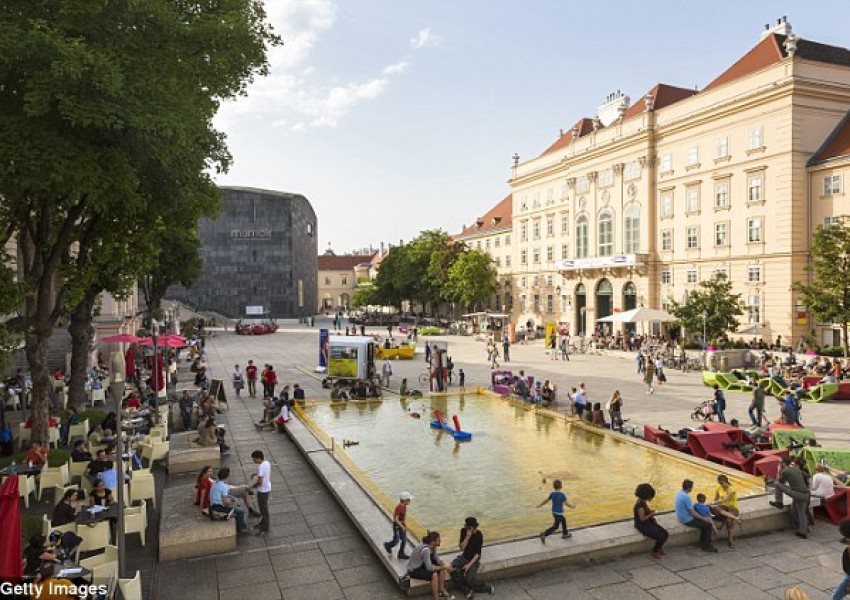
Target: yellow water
x=506, y=470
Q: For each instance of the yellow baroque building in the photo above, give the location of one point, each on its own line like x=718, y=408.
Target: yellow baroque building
x=639, y=204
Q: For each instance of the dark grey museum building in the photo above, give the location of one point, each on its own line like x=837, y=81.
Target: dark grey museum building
x=260, y=257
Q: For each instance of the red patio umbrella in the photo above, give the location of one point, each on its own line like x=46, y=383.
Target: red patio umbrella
x=130, y=363
x=11, y=568
x=165, y=342
x=121, y=338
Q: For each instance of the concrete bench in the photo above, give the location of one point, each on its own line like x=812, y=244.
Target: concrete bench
x=185, y=533
x=184, y=456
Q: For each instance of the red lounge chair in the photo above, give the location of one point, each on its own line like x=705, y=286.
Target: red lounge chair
x=736, y=434
x=749, y=465
x=662, y=438
x=702, y=443
x=767, y=466
x=837, y=506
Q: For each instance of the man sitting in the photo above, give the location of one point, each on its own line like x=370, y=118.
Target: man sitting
x=521, y=388
x=297, y=393
x=337, y=393
x=80, y=453
x=221, y=502
x=37, y=455
x=97, y=465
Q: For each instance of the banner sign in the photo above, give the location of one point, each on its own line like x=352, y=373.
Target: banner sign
x=324, y=338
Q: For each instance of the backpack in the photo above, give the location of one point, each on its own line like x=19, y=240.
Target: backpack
x=5, y=434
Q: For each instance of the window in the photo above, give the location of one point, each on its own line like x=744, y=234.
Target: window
x=550, y=253
x=720, y=234
x=754, y=188
x=721, y=272
x=523, y=257
x=606, y=177
x=522, y=302
x=536, y=302
x=666, y=276
x=565, y=223
x=497, y=242
x=631, y=229
x=327, y=280
x=508, y=240
x=550, y=196
x=693, y=156
x=536, y=201
x=831, y=185
x=310, y=229
x=535, y=231
x=536, y=281
x=523, y=231
x=692, y=275
x=478, y=245
x=753, y=308
x=549, y=280
x=631, y=171
x=667, y=239
x=345, y=280
x=830, y=221
x=564, y=189
x=550, y=226
x=692, y=234
x=666, y=204
x=487, y=243
x=522, y=282
x=721, y=194
x=754, y=274
x=755, y=138
x=550, y=303
x=498, y=261
x=721, y=147
x=508, y=261
x=606, y=234
x=536, y=255
x=692, y=199
x=666, y=162
x=754, y=230
x=582, y=184
x=564, y=252
x=581, y=237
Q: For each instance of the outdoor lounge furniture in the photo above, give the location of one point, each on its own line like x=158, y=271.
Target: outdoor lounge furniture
x=703, y=443
x=767, y=466
x=663, y=438
x=837, y=506
x=709, y=378
x=822, y=392
x=185, y=456
x=502, y=382
x=730, y=382
x=185, y=533
x=782, y=436
x=837, y=458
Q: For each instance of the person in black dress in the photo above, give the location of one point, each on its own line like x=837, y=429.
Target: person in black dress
x=645, y=519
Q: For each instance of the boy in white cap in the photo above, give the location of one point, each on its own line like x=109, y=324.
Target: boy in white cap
x=399, y=527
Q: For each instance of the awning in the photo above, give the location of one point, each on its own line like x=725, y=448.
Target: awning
x=640, y=315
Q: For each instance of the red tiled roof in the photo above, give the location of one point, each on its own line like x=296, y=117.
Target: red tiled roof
x=584, y=126
x=496, y=218
x=346, y=262
x=837, y=144
x=663, y=94
x=763, y=54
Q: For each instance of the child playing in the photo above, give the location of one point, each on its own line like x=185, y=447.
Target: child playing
x=559, y=500
x=399, y=527
x=704, y=510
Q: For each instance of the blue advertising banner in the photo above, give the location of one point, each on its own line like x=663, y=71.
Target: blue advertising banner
x=324, y=338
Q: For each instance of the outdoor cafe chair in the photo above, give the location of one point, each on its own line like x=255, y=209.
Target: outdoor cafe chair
x=53, y=437
x=142, y=487
x=53, y=477
x=59, y=492
x=155, y=451
x=13, y=402
x=80, y=430
x=47, y=527
x=26, y=487
x=77, y=470
x=24, y=435
x=95, y=537
x=104, y=566
x=131, y=589
x=136, y=520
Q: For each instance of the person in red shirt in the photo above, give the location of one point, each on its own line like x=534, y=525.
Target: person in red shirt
x=269, y=381
x=399, y=527
x=251, y=375
x=132, y=401
x=37, y=455
x=28, y=423
x=202, y=488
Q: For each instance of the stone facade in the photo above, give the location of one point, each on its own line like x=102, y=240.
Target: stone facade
x=259, y=257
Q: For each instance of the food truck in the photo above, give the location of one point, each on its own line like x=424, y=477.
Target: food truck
x=351, y=357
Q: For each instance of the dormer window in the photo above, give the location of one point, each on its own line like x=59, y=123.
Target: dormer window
x=479, y=224
x=496, y=221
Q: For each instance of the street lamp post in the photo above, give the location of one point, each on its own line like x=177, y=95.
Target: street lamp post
x=116, y=390
x=704, y=340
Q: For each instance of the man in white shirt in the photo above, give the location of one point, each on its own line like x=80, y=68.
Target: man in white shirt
x=261, y=481
x=823, y=485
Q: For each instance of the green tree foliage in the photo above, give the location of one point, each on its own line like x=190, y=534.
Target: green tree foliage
x=364, y=295
x=827, y=295
x=106, y=115
x=713, y=305
x=472, y=279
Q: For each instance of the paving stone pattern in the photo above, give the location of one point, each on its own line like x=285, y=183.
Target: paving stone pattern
x=313, y=551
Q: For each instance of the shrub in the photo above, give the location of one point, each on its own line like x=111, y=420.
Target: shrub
x=430, y=330
x=832, y=351
x=56, y=458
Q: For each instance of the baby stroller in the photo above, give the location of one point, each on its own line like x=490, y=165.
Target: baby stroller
x=704, y=411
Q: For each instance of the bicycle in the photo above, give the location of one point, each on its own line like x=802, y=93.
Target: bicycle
x=425, y=377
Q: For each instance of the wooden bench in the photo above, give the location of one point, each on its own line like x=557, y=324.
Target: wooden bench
x=185, y=533
x=184, y=456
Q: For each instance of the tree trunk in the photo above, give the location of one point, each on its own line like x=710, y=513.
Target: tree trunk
x=82, y=333
x=845, y=340
x=36, y=351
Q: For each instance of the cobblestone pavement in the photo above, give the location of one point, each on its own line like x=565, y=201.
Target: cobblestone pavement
x=313, y=550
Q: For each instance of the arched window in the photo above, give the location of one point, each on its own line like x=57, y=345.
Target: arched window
x=581, y=237
x=631, y=229
x=606, y=234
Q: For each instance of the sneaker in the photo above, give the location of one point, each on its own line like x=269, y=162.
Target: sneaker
x=388, y=548
x=230, y=514
x=491, y=589
x=403, y=556
x=542, y=537
x=445, y=594
x=567, y=535
x=470, y=594
x=404, y=582
x=777, y=504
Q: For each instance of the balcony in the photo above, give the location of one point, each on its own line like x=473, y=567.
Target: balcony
x=616, y=264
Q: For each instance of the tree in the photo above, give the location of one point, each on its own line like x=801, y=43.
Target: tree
x=472, y=278
x=103, y=107
x=178, y=262
x=827, y=296
x=364, y=295
x=713, y=308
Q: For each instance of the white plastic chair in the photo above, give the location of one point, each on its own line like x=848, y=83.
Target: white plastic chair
x=155, y=451
x=80, y=430
x=59, y=492
x=13, y=402
x=53, y=477
x=46, y=527
x=76, y=470
x=104, y=566
x=95, y=537
x=98, y=396
x=53, y=437
x=136, y=520
x=24, y=435
x=131, y=589
x=26, y=486
x=142, y=487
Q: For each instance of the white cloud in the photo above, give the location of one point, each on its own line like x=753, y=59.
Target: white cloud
x=425, y=38
x=292, y=95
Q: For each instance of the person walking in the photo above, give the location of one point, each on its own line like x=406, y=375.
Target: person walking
x=399, y=527
x=644, y=520
x=386, y=372
x=841, y=589
x=494, y=356
x=506, y=348
x=261, y=482
x=238, y=381
x=615, y=412
x=465, y=565
x=558, y=499
x=565, y=348
x=756, y=409
x=649, y=375
x=269, y=380
x=251, y=376
x=553, y=347
x=187, y=406
x=719, y=403
x=428, y=352
x=687, y=515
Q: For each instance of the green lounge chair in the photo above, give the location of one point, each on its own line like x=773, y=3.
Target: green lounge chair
x=837, y=458
x=709, y=378
x=822, y=392
x=782, y=437
x=730, y=382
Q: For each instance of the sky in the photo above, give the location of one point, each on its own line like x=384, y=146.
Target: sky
x=397, y=116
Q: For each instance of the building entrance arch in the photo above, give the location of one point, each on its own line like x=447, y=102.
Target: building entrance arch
x=581, y=309
x=629, y=302
x=604, y=298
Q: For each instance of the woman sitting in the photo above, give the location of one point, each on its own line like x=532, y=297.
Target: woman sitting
x=202, y=488
x=548, y=393
x=101, y=495
x=598, y=416
x=37, y=553
x=66, y=511
x=211, y=435
x=644, y=520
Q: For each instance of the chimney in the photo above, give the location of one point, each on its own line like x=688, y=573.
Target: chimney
x=782, y=27
x=614, y=108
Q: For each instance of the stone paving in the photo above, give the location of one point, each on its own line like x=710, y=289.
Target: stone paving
x=313, y=551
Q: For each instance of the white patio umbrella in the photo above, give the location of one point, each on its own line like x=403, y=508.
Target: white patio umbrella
x=640, y=315
x=756, y=329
